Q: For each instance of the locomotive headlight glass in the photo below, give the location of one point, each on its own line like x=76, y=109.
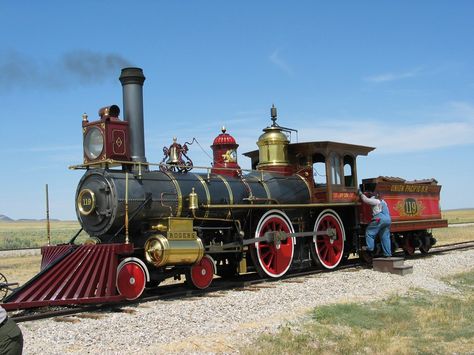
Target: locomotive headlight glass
x=93, y=143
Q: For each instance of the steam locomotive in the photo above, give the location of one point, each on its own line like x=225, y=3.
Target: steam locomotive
x=296, y=208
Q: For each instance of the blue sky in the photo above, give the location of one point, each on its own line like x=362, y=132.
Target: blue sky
x=398, y=76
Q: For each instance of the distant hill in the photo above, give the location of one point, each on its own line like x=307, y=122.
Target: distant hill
x=4, y=218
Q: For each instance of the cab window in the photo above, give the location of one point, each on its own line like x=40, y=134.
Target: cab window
x=335, y=169
x=319, y=170
x=349, y=179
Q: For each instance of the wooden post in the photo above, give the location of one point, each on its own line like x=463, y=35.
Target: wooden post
x=48, y=226
x=127, y=241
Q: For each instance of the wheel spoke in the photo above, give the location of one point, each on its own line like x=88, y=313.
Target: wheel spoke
x=332, y=255
x=269, y=261
x=266, y=253
x=322, y=246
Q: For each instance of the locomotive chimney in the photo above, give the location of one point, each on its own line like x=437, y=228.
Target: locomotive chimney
x=132, y=83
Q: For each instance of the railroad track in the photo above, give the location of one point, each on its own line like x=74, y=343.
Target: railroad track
x=248, y=282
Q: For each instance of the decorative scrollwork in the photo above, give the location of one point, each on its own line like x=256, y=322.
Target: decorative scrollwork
x=175, y=158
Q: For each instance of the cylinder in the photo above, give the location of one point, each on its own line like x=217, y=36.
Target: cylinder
x=132, y=80
x=160, y=251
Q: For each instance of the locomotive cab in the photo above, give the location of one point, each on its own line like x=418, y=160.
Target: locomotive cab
x=328, y=168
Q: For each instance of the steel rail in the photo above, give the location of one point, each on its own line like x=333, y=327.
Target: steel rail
x=179, y=291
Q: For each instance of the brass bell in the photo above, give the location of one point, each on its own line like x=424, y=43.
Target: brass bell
x=173, y=153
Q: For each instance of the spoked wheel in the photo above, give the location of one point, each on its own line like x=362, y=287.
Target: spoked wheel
x=327, y=249
x=201, y=274
x=424, y=249
x=273, y=259
x=131, y=278
x=427, y=241
x=3, y=287
x=408, y=245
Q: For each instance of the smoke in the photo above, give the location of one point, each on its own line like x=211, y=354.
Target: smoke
x=88, y=67
x=72, y=69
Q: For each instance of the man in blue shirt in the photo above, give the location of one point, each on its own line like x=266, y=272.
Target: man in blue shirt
x=379, y=225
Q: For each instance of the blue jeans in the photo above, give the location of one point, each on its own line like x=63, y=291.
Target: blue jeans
x=380, y=225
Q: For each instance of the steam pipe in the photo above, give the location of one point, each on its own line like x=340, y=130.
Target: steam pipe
x=132, y=86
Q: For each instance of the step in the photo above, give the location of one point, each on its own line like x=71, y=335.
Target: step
x=403, y=270
x=384, y=263
x=392, y=265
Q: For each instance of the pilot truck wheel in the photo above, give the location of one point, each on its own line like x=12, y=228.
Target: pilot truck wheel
x=131, y=278
x=200, y=275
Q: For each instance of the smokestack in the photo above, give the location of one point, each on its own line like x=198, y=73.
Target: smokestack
x=132, y=84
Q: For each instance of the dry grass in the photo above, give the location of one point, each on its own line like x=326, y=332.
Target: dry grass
x=20, y=268
x=421, y=323
x=25, y=234
x=459, y=216
x=454, y=234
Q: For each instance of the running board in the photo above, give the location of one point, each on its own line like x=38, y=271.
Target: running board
x=78, y=275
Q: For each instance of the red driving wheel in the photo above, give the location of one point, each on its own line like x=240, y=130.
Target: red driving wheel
x=328, y=247
x=131, y=280
x=273, y=259
x=201, y=274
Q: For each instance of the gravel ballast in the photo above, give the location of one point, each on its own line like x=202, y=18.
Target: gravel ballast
x=224, y=321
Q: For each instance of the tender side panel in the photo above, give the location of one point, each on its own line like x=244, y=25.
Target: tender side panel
x=413, y=206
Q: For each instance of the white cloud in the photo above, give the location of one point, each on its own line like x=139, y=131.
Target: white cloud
x=385, y=77
x=280, y=63
x=454, y=127
x=448, y=126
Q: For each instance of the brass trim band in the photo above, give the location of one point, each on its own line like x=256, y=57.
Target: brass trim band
x=206, y=190
x=178, y=192
x=229, y=190
x=307, y=185
x=289, y=205
x=265, y=186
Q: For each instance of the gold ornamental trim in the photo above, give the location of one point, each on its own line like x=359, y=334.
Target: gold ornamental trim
x=178, y=192
x=265, y=187
x=410, y=207
x=86, y=204
x=307, y=185
x=231, y=195
x=206, y=190
x=229, y=190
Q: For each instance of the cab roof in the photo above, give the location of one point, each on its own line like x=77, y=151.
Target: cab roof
x=323, y=147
